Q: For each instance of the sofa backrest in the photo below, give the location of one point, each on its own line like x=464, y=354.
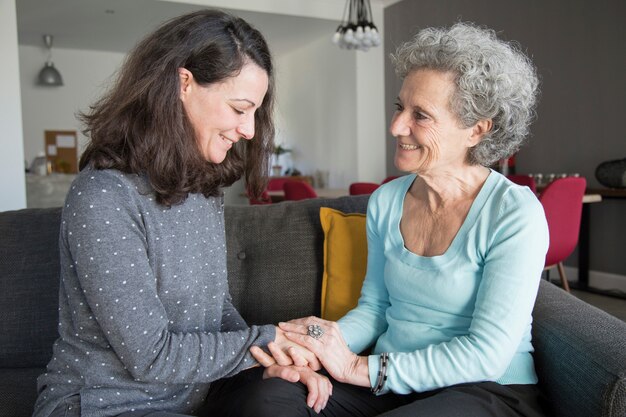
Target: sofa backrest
x=29, y=286
x=275, y=259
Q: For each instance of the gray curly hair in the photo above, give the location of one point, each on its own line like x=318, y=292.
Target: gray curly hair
x=494, y=80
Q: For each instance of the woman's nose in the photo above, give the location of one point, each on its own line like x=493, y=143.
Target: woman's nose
x=246, y=128
x=398, y=126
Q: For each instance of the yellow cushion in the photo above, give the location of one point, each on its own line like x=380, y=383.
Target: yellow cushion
x=345, y=261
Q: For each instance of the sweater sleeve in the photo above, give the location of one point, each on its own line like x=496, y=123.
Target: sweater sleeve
x=121, y=290
x=231, y=319
x=518, y=241
x=361, y=326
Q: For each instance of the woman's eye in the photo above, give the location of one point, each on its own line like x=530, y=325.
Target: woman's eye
x=418, y=116
x=398, y=106
x=238, y=111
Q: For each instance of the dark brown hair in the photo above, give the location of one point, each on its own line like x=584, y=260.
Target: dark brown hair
x=140, y=125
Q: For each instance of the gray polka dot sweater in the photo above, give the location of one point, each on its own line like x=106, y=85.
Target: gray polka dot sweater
x=145, y=316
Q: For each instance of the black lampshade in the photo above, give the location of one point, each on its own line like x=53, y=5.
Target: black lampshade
x=49, y=76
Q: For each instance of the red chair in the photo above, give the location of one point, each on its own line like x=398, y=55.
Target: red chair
x=562, y=202
x=358, y=188
x=265, y=199
x=298, y=190
x=526, y=180
x=276, y=184
x=390, y=178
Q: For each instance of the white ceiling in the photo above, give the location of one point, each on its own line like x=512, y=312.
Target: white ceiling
x=117, y=25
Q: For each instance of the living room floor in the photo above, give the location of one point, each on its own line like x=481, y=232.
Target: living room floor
x=613, y=305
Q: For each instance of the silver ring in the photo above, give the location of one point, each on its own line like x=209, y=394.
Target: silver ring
x=315, y=331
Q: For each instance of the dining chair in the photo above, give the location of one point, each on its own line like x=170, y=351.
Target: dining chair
x=562, y=202
x=265, y=199
x=276, y=184
x=526, y=180
x=358, y=188
x=298, y=190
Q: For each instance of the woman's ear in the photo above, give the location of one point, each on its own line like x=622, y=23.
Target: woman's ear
x=478, y=131
x=185, y=78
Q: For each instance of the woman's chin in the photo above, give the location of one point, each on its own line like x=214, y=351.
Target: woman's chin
x=216, y=159
x=409, y=166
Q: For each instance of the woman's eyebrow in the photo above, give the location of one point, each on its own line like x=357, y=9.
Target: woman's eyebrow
x=244, y=99
x=428, y=110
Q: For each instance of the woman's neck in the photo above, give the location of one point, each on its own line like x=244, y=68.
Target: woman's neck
x=445, y=188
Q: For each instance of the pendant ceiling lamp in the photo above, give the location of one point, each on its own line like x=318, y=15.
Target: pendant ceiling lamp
x=49, y=75
x=357, y=29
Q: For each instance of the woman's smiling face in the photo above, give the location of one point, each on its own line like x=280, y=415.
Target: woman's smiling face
x=223, y=113
x=429, y=135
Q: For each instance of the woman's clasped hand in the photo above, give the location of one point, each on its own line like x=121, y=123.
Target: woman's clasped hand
x=330, y=348
x=292, y=366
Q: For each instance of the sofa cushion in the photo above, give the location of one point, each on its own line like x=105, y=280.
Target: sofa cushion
x=29, y=279
x=345, y=261
x=275, y=260
x=18, y=391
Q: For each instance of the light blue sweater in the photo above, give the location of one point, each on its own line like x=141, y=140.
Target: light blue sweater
x=463, y=316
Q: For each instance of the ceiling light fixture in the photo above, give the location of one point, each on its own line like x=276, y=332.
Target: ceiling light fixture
x=49, y=76
x=357, y=31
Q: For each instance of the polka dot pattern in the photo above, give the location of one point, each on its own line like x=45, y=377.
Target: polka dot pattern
x=145, y=316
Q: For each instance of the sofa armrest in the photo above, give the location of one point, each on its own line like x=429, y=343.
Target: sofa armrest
x=580, y=355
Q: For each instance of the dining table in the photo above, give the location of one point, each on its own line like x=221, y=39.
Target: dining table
x=592, y=195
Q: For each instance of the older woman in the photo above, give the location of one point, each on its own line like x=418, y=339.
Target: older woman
x=455, y=251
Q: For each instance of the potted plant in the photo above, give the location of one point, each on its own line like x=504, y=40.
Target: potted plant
x=277, y=169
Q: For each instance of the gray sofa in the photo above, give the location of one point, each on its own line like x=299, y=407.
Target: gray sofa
x=275, y=268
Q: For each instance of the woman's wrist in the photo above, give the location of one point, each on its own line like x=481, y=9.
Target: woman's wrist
x=358, y=372
x=381, y=378
x=279, y=336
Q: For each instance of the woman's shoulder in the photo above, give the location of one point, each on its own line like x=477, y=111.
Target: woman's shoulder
x=510, y=197
x=105, y=186
x=389, y=197
x=513, y=210
x=107, y=180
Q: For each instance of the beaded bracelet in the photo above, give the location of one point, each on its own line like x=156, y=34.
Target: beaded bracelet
x=382, y=373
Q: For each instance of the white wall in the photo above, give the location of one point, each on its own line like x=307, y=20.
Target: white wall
x=316, y=117
x=85, y=75
x=330, y=102
x=370, y=98
x=12, y=185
